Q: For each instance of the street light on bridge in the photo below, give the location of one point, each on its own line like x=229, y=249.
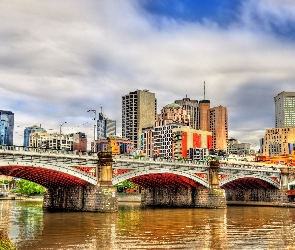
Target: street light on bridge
x=60, y=134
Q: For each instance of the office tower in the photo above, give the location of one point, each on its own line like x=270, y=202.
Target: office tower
x=198, y=112
x=192, y=109
x=105, y=126
x=285, y=110
x=218, y=124
x=139, y=109
x=278, y=141
x=204, y=106
x=163, y=140
x=79, y=141
x=29, y=130
x=6, y=127
x=172, y=113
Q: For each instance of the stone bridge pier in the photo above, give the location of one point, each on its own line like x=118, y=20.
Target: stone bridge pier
x=189, y=196
x=93, y=198
x=259, y=191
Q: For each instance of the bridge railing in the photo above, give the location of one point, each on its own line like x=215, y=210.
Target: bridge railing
x=46, y=150
x=160, y=159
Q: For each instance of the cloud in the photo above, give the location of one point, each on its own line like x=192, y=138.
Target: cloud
x=60, y=59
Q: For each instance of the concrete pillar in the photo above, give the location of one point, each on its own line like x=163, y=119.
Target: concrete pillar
x=216, y=195
x=108, y=191
x=213, y=174
x=105, y=168
x=285, y=173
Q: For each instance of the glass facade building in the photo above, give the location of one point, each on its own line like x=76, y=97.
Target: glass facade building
x=6, y=127
x=105, y=126
x=30, y=130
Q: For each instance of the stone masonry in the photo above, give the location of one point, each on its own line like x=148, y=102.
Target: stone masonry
x=82, y=198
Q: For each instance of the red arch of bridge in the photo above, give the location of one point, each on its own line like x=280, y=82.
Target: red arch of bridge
x=163, y=180
x=43, y=176
x=247, y=183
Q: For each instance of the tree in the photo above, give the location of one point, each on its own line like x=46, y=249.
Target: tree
x=29, y=188
x=5, y=243
x=122, y=186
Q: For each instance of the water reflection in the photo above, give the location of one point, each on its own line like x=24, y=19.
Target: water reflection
x=136, y=227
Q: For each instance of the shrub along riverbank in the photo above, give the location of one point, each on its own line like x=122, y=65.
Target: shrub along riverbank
x=5, y=243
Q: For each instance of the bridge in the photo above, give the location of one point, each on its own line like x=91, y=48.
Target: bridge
x=85, y=180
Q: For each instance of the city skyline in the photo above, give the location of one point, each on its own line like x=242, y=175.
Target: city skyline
x=60, y=59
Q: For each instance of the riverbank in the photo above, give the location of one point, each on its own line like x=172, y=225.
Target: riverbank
x=16, y=197
x=137, y=198
x=259, y=203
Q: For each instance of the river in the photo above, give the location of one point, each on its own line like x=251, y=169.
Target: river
x=137, y=227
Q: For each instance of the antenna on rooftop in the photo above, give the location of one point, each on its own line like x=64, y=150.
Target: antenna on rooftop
x=204, y=89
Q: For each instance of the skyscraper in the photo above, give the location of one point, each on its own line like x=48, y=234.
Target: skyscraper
x=285, y=109
x=192, y=109
x=198, y=112
x=6, y=127
x=218, y=122
x=172, y=113
x=105, y=126
x=29, y=130
x=139, y=109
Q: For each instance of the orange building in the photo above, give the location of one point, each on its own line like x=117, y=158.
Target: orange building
x=218, y=122
x=186, y=139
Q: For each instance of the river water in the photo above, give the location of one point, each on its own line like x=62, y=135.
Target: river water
x=137, y=227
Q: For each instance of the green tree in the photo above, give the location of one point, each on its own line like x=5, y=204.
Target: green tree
x=29, y=188
x=5, y=243
x=127, y=184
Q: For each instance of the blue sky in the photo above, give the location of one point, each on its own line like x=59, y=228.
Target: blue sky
x=59, y=59
x=222, y=12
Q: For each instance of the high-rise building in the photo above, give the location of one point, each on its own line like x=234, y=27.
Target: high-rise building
x=172, y=113
x=198, y=112
x=278, y=141
x=6, y=127
x=285, y=109
x=29, y=130
x=139, y=109
x=218, y=124
x=192, y=109
x=105, y=126
x=204, y=106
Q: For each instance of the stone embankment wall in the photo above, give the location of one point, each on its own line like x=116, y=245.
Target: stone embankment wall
x=257, y=194
x=185, y=197
x=129, y=198
x=82, y=198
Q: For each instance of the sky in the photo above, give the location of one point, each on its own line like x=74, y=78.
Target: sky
x=59, y=59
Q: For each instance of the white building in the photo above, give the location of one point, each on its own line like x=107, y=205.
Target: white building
x=285, y=110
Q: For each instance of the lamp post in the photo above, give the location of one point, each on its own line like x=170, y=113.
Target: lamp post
x=60, y=134
x=94, y=111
